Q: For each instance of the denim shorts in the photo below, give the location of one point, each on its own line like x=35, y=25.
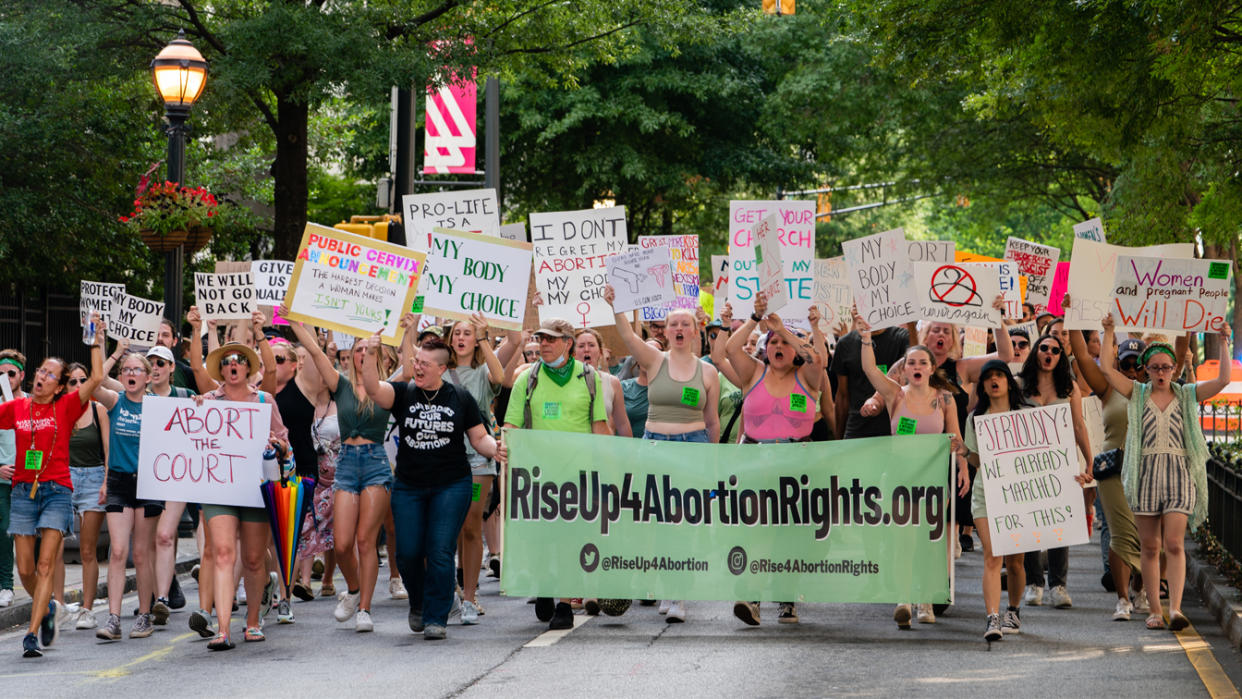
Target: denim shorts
x=360, y=466
x=51, y=508
x=86, y=483
x=697, y=436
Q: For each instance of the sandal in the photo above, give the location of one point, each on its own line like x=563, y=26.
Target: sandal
x=254, y=634
x=1177, y=621
x=1155, y=622
x=220, y=642
x=327, y=591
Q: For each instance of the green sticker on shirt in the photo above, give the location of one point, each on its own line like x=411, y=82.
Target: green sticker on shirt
x=34, y=460
x=797, y=403
x=551, y=411
x=474, y=491
x=690, y=396
x=1218, y=270
x=417, y=306
x=907, y=425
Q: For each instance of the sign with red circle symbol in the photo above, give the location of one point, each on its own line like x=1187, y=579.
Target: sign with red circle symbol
x=954, y=286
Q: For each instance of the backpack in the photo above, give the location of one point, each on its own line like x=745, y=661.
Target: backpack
x=532, y=379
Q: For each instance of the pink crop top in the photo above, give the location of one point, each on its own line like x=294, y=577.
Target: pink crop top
x=768, y=418
x=925, y=424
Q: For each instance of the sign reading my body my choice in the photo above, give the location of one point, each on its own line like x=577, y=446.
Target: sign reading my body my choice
x=795, y=230
x=353, y=284
x=882, y=278
x=470, y=272
x=570, y=247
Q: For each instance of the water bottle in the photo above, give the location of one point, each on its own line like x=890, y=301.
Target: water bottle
x=271, y=467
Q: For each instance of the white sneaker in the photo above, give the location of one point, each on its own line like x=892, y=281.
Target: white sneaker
x=455, y=609
x=1140, y=602
x=6, y=598
x=1061, y=598
x=86, y=620
x=676, y=612
x=241, y=592
x=926, y=614
x=469, y=613
x=362, y=622
x=396, y=589
x=664, y=605
x=347, y=605
x=1124, y=608
x=1034, y=596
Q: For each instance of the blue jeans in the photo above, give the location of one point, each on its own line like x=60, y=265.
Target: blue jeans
x=697, y=436
x=361, y=466
x=6, y=541
x=427, y=522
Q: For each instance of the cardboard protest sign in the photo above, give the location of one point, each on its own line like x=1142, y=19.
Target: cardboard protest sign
x=1060, y=285
x=720, y=279
x=765, y=243
x=471, y=272
x=224, y=296
x=931, y=250
x=345, y=341
x=472, y=210
x=570, y=247
x=97, y=297
x=795, y=231
x=882, y=279
x=1013, y=285
x=271, y=281
x=1153, y=293
x=1093, y=267
x=210, y=454
x=833, y=293
x=357, y=285
x=514, y=231
x=136, y=319
x=684, y=257
x=1092, y=229
x=641, y=277
x=960, y=293
x=974, y=341
x=1028, y=460
x=1038, y=263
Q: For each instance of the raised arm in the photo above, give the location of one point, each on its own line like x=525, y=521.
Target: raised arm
x=813, y=371
x=1091, y=373
x=268, y=385
x=511, y=346
x=515, y=361
x=495, y=369
x=330, y=377
x=97, y=372
x=202, y=380
x=886, y=387
x=380, y=391
x=647, y=356
x=720, y=360
x=122, y=345
x=743, y=364
x=1108, y=355
x=1209, y=388
x=1080, y=433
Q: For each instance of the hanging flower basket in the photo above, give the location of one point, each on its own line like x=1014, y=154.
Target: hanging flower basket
x=197, y=238
x=167, y=215
x=163, y=242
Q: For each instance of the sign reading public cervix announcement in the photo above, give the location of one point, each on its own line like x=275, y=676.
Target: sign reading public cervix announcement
x=625, y=518
x=470, y=272
x=353, y=284
x=210, y=453
x=1153, y=293
x=958, y=292
x=882, y=278
x=795, y=232
x=570, y=247
x=1028, y=460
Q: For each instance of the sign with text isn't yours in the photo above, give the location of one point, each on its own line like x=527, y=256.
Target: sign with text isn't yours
x=882, y=279
x=684, y=256
x=210, y=453
x=353, y=284
x=1153, y=293
x=224, y=296
x=97, y=297
x=1038, y=263
x=640, y=278
x=271, y=281
x=833, y=293
x=570, y=247
x=1028, y=460
x=796, y=232
x=1093, y=266
x=471, y=272
x=472, y=210
x=958, y=292
x=136, y=320
x=614, y=517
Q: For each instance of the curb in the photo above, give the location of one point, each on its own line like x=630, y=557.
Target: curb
x=19, y=613
x=1219, y=596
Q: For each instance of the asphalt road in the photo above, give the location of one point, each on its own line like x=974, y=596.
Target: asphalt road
x=836, y=650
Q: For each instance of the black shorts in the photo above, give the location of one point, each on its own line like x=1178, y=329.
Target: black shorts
x=123, y=493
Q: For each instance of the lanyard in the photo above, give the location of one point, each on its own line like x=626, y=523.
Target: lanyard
x=34, y=433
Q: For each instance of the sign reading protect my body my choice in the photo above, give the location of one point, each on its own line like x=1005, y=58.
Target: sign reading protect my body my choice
x=353, y=284
x=471, y=272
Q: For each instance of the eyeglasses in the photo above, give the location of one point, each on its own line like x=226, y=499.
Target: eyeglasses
x=235, y=359
x=1130, y=365
x=1021, y=344
x=161, y=363
x=1054, y=350
x=131, y=370
x=75, y=382
x=46, y=373
x=1159, y=368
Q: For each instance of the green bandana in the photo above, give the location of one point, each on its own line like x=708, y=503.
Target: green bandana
x=560, y=376
x=14, y=362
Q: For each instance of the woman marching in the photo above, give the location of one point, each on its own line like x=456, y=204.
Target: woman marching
x=41, y=501
x=88, y=455
x=1164, y=465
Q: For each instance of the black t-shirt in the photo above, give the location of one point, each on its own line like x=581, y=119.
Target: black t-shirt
x=432, y=428
x=960, y=399
x=298, y=415
x=889, y=347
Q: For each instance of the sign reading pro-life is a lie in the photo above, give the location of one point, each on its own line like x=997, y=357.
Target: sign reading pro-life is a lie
x=1153, y=293
x=471, y=272
x=472, y=210
x=1028, y=460
x=353, y=284
x=210, y=453
x=570, y=247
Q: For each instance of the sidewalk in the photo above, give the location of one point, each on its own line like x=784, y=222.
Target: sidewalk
x=18, y=613
x=1219, y=596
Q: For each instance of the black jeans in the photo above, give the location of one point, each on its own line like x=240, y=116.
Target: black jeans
x=1057, y=562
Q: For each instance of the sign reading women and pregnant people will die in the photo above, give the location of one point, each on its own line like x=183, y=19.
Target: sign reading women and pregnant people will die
x=472, y=210
x=570, y=248
x=136, y=320
x=958, y=292
x=473, y=273
x=684, y=257
x=1093, y=267
x=224, y=296
x=210, y=453
x=795, y=230
x=353, y=284
x=1028, y=460
x=641, y=278
x=882, y=278
x=1038, y=263
x=1153, y=293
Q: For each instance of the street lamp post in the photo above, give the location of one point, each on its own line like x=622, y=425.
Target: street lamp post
x=179, y=73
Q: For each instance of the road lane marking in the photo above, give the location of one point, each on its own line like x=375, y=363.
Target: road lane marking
x=548, y=638
x=123, y=670
x=1204, y=662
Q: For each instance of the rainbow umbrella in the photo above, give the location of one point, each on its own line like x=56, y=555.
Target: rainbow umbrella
x=287, y=501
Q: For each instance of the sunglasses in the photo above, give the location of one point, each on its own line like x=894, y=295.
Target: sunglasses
x=161, y=363
x=281, y=360
x=1021, y=344
x=1130, y=365
x=11, y=373
x=75, y=382
x=233, y=359
x=1054, y=350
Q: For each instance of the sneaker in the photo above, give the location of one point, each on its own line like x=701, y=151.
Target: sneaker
x=591, y=606
x=160, y=612
x=787, y=613
x=347, y=606
x=469, y=613
x=49, y=630
x=1012, y=623
x=416, y=620
x=562, y=617
x=1123, y=610
x=748, y=612
x=901, y=615
x=1034, y=596
x=176, y=598
x=435, y=632
x=142, y=627
x=664, y=605
x=925, y=613
x=6, y=597
x=194, y=572
x=270, y=591
x=968, y=542
x=30, y=647
x=200, y=623
x=677, y=613
x=110, y=631
x=455, y=607
x=362, y=622
x=396, y=589
x=241, y=592
x=1140, y=602
x=993, y=631
x=1061, y=598
x=545, y=607
x=86, y=620
x=284, y=612
x=317, y=569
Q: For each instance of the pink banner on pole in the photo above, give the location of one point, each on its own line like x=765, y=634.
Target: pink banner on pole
x=1060, y=284
x=450, y=142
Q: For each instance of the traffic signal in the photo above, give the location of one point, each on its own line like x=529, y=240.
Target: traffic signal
x=368, y=226
x=778, y=7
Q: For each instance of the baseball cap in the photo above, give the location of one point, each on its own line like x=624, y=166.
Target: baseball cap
x=555, y=327
x=162, y=352
x=431, y=330
x=1130, y=348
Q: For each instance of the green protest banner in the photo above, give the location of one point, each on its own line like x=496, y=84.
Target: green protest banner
x=865, y=520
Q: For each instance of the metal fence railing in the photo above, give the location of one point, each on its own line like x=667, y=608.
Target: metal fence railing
x=1225, y=504
x=41, y=324
x=1221, y=421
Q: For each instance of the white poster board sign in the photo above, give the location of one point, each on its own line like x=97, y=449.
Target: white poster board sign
x=210, y=454
x=1038, y=262
x=882, y=279
x=931, y=250
x=1092, y=229
x=1153, y=293
x=958, y=292
x=684, y=257
x=641, y=277
x=472, y=210
x=97, y=297
x=137, y=320
x=833, y=293
x=796, y=232
x=1093, y=267
x=766, y=246
x=343, y=341
x=1010, y=287
x=271, y=281
x=570, y=248
x=471, y=272
x=974, y=341
x=720, y=281
x=1028, y=460
x=224, y=296
x=514, y=231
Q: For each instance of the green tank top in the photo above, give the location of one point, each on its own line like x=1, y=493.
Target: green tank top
x=356, y=421
x=679, y=402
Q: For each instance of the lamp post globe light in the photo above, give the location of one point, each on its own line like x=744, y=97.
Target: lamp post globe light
x=179, y=73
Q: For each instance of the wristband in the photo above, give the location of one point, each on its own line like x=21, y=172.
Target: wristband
x=756, y=317
x=868, y=343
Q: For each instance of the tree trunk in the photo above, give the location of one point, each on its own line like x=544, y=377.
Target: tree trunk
x=289, y=172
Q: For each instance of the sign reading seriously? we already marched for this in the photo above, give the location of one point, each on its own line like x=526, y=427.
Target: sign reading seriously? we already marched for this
x=1153, y=293
x=475, y=273
x=353, y=284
